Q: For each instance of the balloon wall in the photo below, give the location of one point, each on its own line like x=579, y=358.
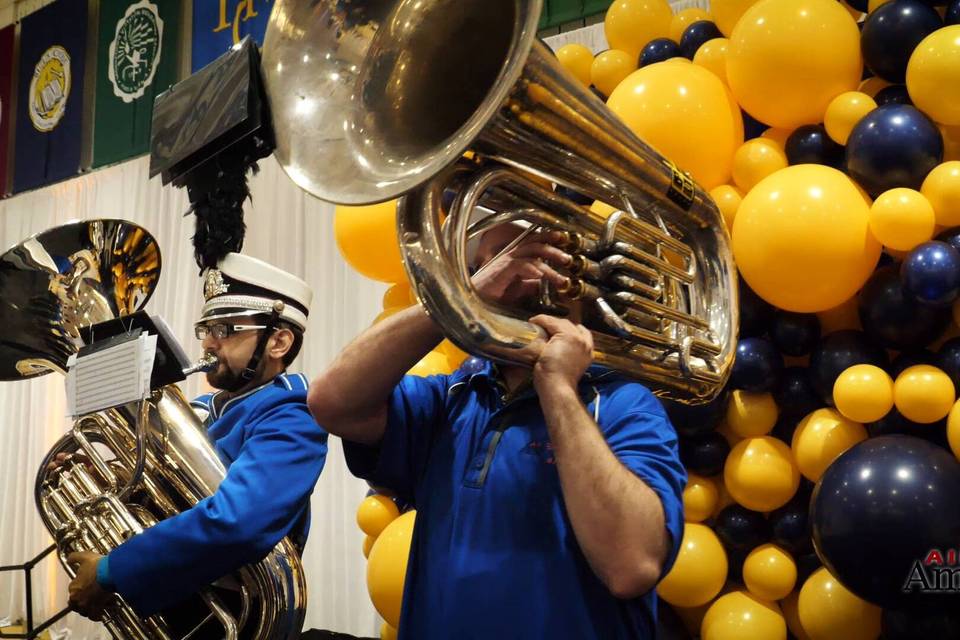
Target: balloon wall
x=828, y=134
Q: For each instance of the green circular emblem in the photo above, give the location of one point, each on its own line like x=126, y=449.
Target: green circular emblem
x=135, y=50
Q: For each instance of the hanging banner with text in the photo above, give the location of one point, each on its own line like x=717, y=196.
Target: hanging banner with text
x=220, y=24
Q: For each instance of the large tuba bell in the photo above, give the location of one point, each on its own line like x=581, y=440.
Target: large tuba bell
x=373, y=99
x=140, y=463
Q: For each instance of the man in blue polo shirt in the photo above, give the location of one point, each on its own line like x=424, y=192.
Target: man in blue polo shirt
x=549, y=502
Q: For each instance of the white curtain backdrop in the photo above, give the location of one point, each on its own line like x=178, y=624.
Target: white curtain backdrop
x=285, y=227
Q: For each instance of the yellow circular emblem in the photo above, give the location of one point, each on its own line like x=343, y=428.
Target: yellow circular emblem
x=49, y=88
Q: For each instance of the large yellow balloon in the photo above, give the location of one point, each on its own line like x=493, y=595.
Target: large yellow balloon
x=902, y=218
x=941, y=188
x=699, y=571
x=368, y=545
x=367, y=239
x=933, y=75
x=863, y=393
x=712, y=55
x=375, y=513
x=951, y=142
x=700, y=498
x=844, y=112
x=751, y=414
x=742, y=616
x=769, y=572
x=755, y=160
x=387, y=567
x=820, y=438
x=686, y=113
x=924, y=394
x=726, y=13
x=610, y=68
x=790, y=606
x=829, y=611
x=760, y=473
x=845, y=315
x=630, y=24
x=683, y=19
x=577, y=59
x=728, y=199
x=787, y=60
x=802, y=238
x=953, y=429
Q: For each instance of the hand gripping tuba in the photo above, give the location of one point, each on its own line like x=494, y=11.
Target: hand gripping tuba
x=139, y=463
x=373, y=99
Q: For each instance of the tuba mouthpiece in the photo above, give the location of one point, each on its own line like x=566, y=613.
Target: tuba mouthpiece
x=206, y=363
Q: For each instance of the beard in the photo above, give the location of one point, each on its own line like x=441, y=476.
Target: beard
x=224, y=378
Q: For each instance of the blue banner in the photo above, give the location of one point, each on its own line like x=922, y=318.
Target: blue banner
x=50, y=100
x=220, y=24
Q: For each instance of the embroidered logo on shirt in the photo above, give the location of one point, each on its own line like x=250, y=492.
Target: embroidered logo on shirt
x=541, y=449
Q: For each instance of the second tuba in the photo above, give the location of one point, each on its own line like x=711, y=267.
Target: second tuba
x=456, y=106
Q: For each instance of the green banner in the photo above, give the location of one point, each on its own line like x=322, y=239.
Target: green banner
x=137, y=59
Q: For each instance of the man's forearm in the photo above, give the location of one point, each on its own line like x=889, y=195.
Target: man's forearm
x=618, y=520
x=349, y=398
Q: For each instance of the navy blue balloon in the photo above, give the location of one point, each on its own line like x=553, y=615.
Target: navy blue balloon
x=907, y=359
x=659, y=50
x=894, y=94
x=790, y=525
x=473, y=364
x=752, y=128
x=891, y=33
x=810, y=144
x=894, y=423
x=879, y=508
x=893, y=146
x=785, y=427
x=795, y=395
x=795, y=334
x=931, y=273
x=948, y=360
x=695, y=35
x=920, y=622
x=837, y=352
x=704, y=454
x=953, y=13
x=950, y=236
x=893, y=318
x=806, y=565
x=740, y=529
x=756, y=314
x=757, y=366
x=860, y=5
x=694, y=420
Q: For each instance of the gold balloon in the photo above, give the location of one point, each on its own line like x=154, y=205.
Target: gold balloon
x=686, y=113
x=933, y=75
x=863, y=393
x=367, y=239
x=387, y=632
x=844, y=112
x=820, y=438
x=953, y=429
x=751, y=414
x=843, y=316
x=924, y=394
x=742, y=616
x=769, y=572
x=398, y=295
x=872, y=86
x=577, y=59
x=712, y=55
x=368, y=545
x=630, y=24
x=777, y=135
x=434, y=363
x=610, y=68
x=684, y=18
x=902, y=218
x=375, y=513
x=755, y=160
x=829, y=611
x=728, y=199
x=789, y=606
x=727, y=13
x=387, y=567
x=941, y=188
x=699, y=571
x=760, y=473
x=787, y=60
x=700, y=498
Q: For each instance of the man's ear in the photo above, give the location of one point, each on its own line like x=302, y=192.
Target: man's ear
x=280, y=343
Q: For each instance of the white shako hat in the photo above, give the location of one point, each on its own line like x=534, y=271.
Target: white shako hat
x=243, y=286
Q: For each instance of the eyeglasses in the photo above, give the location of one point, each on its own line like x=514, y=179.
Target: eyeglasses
x=222, y=330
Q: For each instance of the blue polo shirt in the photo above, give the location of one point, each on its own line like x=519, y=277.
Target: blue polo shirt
x=494, y=554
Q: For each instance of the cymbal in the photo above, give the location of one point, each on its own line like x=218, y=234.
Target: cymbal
x=72, y=276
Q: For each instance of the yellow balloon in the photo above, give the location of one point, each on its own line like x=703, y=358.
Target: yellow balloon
x=386, y=313
x=387, y=567
x=873, y=4
x=755, y=160
x=843, y=316
x=728, y=199
x=367, y=545
x=941, y=188
x=727, y=13
x=777, y=135
x=902, y=218
x=724, y=499
x=742, y=616
x=610, y=68
x=802, y=238
x=829, y=611
x=699, y=571
x=367, y=239
x=398, y=295
x=751, y=414
x=731, y=437
x=872, y=86
x=820, y=438
x=630, y=24
x=933, y=75
x=375, y=513
x=577, y=59
x=760, y=473
x=844, y=112
x=712, y=55
x=684, y=18
x=953, y=429
x=699, y=498
x=787, y=60
x=769, y=572
x=455, y=356
x=387, y=632
x=434, y=363
x=789, y=606
x=686, y=113
x=863, y=393
x=923, y=394
x=951, y=142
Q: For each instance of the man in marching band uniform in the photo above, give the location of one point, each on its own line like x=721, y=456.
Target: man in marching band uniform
x=253, y=321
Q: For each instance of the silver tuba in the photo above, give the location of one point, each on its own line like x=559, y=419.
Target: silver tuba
x=140, y=463
x=374, y=99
